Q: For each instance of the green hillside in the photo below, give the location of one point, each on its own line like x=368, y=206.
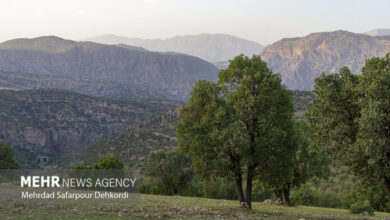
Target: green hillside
x=52, y=122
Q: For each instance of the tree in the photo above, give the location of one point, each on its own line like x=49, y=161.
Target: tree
x=6, y=157
x=234, y=127
x=108, y=162
x=351, y=118
x=105, y=162
x=307, y=162
x=172, y=169
x=107, y=167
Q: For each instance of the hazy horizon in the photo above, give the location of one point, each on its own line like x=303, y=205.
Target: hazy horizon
x=263, y=21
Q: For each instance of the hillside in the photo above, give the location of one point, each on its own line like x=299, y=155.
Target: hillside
x=210, y=47
x=159, y=75
x=134, y=145
x=301, y=60
x=51, y=122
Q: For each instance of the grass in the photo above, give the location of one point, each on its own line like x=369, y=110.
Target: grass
x=171, y=207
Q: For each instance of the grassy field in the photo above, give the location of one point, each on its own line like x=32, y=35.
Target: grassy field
x=172, y=207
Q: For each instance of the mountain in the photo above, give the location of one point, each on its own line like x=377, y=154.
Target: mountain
x=378, y=32
x=141, y=49
x=157, y=133
x=300, y=60
x=52, y=122
x=72, y=65
x=210, y=47
x=134, y=145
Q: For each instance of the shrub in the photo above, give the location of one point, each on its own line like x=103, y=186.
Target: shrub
x=304, y=196
x=361, y=207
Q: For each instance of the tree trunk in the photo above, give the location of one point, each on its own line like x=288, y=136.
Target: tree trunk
x=387, y=182
x=249, y=187
x=287, y=194
x=175, y=191
x=279, y=196
x=240, y=191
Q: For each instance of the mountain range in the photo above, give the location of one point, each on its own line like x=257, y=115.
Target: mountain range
x=98, y=69
x=209, y=47
x=378, y=32
x=131, y=71
x=300, y=60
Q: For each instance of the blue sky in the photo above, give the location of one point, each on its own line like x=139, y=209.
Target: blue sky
x=263, y=21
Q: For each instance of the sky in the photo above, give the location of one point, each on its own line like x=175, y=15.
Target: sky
x=262, y=21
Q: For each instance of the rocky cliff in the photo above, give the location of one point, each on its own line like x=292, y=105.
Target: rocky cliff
x=301, y=60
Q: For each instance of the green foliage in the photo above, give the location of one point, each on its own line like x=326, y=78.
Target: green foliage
x=350, y=118
x=108, y=162
x=361, y=207
x=154, y=186
x=374, y=193
x=332, y=114
x=6, y=157
x=105, y=163
x=219, y=189
x=304, y=196
x=307, y=163
x=239, y=126
x=261, y=193
x=329, y=192
x=172, y=169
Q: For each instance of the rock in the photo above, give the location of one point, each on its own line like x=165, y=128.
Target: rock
x=268, y=201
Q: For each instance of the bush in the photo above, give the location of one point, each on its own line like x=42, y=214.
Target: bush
x=304, y=196
x=219, y=189
x=361, y=207
x=372, y=191
x=261, y=193
x=153, y=186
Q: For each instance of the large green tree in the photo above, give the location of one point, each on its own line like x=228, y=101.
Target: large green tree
x=234, y=127
x=172, y=169
x=351, y=118
x=6, y=157
x=307, y=162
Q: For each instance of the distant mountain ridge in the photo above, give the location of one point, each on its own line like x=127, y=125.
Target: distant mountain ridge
x=210, y=47
x=160, y=75
x=300, y=60
x=378, y=32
